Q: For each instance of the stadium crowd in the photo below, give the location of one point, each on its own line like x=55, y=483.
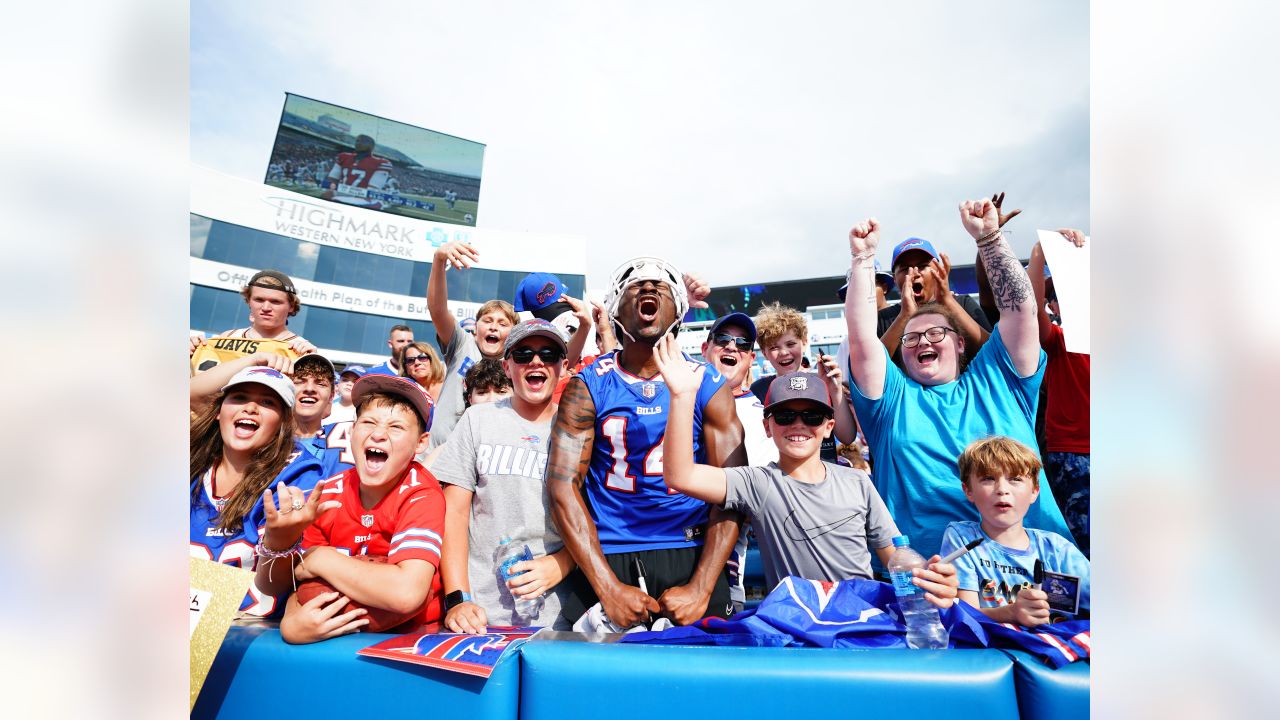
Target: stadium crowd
x=634, y=479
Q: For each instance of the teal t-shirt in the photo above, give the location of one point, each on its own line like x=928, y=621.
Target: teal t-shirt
x=917, y=432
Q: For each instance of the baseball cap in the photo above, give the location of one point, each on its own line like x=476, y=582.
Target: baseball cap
x=882, y=276
x=395, y=385
x=282, y=281
x=538, y=291
x=742, y=320
x=797, y=386
x=530, y=328
x=913, y=243
x=314, y=359
x=358, y=370
x=273, y=379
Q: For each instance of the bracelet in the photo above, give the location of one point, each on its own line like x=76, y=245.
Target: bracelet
x=988, y=238
x=263, y=551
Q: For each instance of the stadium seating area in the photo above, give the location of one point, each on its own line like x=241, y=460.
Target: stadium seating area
x=256, y=673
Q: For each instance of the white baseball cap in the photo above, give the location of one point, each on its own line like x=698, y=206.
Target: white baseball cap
x=273, y=379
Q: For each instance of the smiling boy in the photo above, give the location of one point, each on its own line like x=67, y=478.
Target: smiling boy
x=813, y=519
x=386, y=506
x=1001, y=477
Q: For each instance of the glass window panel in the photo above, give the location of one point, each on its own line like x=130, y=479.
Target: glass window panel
x=199, y=234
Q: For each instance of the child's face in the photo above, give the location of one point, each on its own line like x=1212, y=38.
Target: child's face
x=385, y=439
x=785, y=353
x=798, y=440
x=480, y=396
x=1002, y=501
x=250, y=417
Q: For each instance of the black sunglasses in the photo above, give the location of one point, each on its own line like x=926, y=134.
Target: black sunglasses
x=524, y=355
x=417, y=359
x=723, y=340
x=812, y=418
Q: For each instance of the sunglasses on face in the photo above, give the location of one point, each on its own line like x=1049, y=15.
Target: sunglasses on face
x=723, y=340
x=417, y=359
x=812, y=418
x=524, y=355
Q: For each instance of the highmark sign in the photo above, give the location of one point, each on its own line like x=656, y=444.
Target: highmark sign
x=282, y=212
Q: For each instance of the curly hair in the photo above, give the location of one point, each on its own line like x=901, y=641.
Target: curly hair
x=484, y=375
x=267, y=462
x=775, y=320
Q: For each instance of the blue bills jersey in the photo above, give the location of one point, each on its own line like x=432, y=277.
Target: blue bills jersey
x=632, y=506
x=332, y=447
x=236, y=548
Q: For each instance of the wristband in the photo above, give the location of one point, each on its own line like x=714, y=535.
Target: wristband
x=263, y=551
x=989, y=237
x=456, y=598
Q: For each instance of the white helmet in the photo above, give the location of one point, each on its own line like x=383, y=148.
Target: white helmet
x=638, y=270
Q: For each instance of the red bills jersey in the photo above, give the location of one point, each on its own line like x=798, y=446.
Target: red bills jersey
x=358, y=171
x=407, y=524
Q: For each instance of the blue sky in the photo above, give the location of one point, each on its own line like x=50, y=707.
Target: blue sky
x=739, y=140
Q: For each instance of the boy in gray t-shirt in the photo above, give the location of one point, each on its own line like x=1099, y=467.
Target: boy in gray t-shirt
x=813, y=519
x=492, y=470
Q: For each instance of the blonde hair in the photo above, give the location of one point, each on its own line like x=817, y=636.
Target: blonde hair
x=501, y=306
x=775, y=320
x=437, y=367
x=999, y=455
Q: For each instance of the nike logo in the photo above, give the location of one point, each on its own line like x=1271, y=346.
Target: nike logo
x=414, y=500
x=795, y=532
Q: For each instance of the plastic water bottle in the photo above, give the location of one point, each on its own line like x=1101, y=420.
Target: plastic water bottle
x=510, y=553
x=924, y=626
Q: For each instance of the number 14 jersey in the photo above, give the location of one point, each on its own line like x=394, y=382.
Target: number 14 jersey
x=628, y=498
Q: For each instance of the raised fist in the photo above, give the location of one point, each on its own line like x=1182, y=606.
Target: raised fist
x=980, y=217
x=864, y=238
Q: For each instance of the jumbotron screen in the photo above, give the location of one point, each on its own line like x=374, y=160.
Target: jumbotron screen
x=347, y=156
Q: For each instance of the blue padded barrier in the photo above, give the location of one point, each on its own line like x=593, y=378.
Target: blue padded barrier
x=1048, y=694
x=256, y=674
x=567, y=680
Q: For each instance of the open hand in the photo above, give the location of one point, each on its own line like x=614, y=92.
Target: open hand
x=318, y=619
x=285, y=526
x=458, y=254
x=1075, y=236
x=580, y=311
x=937, y=279
x=680, y=379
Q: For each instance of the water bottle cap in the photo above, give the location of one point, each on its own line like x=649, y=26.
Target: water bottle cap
x=901, y=541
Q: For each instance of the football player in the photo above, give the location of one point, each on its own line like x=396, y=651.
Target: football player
x=640, y=540
x=355, y=173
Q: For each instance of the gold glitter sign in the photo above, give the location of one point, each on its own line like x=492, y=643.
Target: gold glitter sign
x=216, y=593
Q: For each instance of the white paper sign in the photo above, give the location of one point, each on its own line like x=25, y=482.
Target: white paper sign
x=199, y=603
x=1069, y=266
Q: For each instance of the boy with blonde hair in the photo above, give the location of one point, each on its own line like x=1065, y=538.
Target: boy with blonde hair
x=1001, y=477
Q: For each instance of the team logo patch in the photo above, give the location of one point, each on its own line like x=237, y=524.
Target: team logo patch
x=800, y=382
x=648, y=390
x=530, y=439
x=546, y=292
x=366, y=520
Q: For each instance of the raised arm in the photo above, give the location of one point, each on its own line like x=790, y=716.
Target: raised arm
x=1035, y=273
x=572, y=436
x=579, y=339
x=938, y=279
x=866, y=355
x=462, y=256
x=1009, y=284
x=833, y=376
x=679, y=471
x=723, y=436
x=205, y=386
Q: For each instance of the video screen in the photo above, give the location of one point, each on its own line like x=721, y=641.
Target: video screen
x=346, y=156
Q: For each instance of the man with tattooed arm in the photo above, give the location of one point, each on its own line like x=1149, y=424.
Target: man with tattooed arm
x=645, y=549
x=919, y=419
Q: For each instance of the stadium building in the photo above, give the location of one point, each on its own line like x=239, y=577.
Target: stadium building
x=358, y=272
